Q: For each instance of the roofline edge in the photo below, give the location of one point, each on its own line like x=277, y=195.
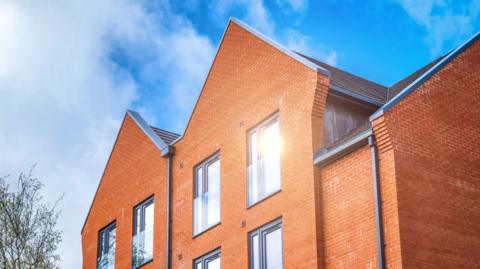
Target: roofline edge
x=355, y=95
x=419, y=81
x=164, y=148
x=280, y=47
x=341, y=150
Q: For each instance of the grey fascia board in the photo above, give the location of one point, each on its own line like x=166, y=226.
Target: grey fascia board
x=419, y=81
x=164, y=148
x=281, y=48
x=376, y=114
x=355, y=95
x=339, y=151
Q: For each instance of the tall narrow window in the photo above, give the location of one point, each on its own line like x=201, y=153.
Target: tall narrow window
x=208, y=261
x=264, y=160
x=266, y=247
x=142, y=244
x=106, y=247
x=206, y=204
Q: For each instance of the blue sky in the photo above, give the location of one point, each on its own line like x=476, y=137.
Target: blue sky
x=69, y=70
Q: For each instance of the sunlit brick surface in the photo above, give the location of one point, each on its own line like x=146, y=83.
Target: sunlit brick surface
x=435, y=134
x=429, y=166
x=134, y=172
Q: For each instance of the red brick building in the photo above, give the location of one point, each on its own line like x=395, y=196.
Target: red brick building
x=287, y=162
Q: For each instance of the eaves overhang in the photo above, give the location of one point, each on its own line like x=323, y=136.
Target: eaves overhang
x=355, y=95
x=323, y=158
x=164, y=148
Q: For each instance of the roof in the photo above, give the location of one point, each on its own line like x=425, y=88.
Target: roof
x=166, y=136
x=418, y=78
x=400, y=85
x=353, y=82
x=395, y=94
x=161, y=138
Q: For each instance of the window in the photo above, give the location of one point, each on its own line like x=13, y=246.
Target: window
x=106, y=247
x=142, y=244
x=206, y=204
x=208, y=261
x=264, y=160
x=266, y=247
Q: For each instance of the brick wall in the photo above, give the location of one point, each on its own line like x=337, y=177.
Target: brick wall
x=429, y=161
x=388, y=190
x=435, y=133
x=134, y=172
x=249, y=81
x=349, y=212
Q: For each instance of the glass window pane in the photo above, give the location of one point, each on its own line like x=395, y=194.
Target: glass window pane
x=103, y=243
x=138, y=215
x=273, y=245
x=213, y=176
x=206, y=204
x=111, y=248
x=199, y=182
x=148, y=247
x=255, y=252
x=253, y=169
x=271, y=157
x=198, y=265
x=214, y=264
x=107, y=242
x=142, y=241
x=213, y=198
x=197, y=214
x=149, y=216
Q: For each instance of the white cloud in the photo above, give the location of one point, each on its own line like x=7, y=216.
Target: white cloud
x=293, y=5
x=299, y=42
x=254, y=13
x=443, y=20
x=257, y=15
x=63, y=96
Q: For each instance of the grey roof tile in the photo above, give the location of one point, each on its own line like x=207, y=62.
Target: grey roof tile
x=400, y=85
x=352, y=82
x=166, y=136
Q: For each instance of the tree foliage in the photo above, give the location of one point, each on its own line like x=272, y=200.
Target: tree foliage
x=28, y=233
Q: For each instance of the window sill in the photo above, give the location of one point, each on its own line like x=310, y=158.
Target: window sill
x=263, y=199
x=143, y=264
x=206, y=230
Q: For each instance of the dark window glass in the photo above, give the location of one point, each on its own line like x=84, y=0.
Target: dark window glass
x=106, y=247
x=142, y=244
